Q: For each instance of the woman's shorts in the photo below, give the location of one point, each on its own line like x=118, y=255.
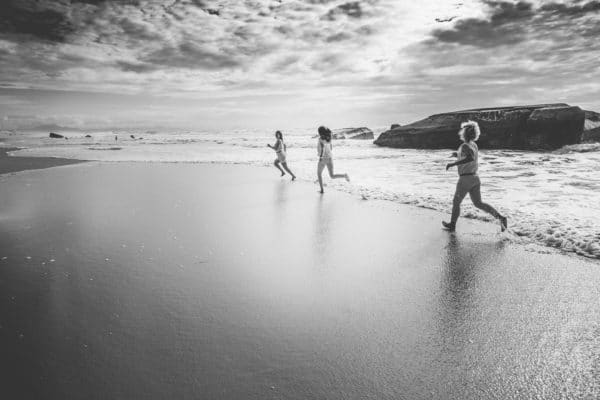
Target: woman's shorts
x=465, y=184
x=281, y=157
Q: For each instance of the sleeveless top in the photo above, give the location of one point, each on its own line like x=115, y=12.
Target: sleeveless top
x=280, y=146
x=469, y=168
x=324, y=149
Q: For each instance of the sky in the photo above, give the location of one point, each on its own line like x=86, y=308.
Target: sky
x=225, y=64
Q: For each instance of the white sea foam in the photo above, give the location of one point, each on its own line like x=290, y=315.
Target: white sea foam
x=551, y=198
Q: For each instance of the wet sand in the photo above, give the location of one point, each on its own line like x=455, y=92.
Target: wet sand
x=15, y=164
x=154, y=281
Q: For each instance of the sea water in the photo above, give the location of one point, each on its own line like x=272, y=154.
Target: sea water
x=551, y=198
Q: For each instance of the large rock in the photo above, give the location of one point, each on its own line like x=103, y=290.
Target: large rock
x=353, y=133
x=545, y=126
x=55, y=136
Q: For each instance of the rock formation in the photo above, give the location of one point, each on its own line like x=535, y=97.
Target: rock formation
x=535, y=127
x=592, y=120
x=55, y=135
x=353, y=133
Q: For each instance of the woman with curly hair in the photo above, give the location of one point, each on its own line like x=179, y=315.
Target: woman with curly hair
x=468, y=180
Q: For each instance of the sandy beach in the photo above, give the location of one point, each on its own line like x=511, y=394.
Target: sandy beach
x=194, y=281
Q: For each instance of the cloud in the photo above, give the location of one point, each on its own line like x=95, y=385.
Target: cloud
x=352, y=9
x=510, y=23
x=41, y=20
x=561, y=9
x=505, y=26
x=191, y=55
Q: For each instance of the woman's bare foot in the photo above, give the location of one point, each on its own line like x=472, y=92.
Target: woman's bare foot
x=449, y=226
x=293, y=178
x=282, y=173
x=503, y=223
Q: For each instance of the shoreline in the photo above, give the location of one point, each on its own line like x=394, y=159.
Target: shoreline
x=9, y=164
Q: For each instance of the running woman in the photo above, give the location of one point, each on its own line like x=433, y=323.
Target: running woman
x=468, y=180
x=324, y=149
x=281, y=148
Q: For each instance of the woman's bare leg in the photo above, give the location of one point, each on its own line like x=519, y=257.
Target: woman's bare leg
x=320, y=168
x=475, y=194
x=284, y=165
x=276, y=163
x=335, y=176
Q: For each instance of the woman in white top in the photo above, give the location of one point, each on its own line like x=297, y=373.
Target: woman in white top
x=324, y=149
x=468, y=180
x=281, y=149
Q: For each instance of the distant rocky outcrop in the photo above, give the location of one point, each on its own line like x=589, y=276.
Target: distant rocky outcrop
x=592, y=120
x=591, y=135
x=395, y=126
x=55, y=136
x=535, y=127
x=88, y=136
x=353, y=133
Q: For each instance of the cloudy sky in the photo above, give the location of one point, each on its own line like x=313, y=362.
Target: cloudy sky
x=221, y=64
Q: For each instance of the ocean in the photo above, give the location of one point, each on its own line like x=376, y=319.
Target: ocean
x=552, y=199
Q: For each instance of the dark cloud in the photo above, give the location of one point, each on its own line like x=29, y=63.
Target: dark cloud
x=571, y=10
x=98, y=2
x=352, y=9
x=190, y=55
x=135, y=67
x=506, y=25
x=38, y=19
x=338, y=37
x=511, y=23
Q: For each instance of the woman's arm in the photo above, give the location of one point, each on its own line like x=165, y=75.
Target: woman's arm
x=320, y=148
x=275, y=146
x=467, y=159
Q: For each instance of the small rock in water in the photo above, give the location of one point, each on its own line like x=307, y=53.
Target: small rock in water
x=107, y=259
x=4, y=258
x=28, y=257
x=52, y=260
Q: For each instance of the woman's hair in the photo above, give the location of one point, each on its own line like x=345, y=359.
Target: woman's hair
x=325, y=133
x=469, y=131
x=279, y=135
